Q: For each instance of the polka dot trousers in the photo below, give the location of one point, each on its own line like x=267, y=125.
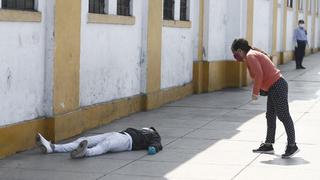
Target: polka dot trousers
x=277, y=106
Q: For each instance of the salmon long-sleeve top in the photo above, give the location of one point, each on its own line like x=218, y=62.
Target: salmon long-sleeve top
x=262, y=71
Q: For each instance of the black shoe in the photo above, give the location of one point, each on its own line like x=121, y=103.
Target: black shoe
x=81, y=150
x=302, y=67
x=290, y=151
x=264, y=148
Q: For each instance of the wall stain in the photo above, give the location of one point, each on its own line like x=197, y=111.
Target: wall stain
x=9, y=78
x=20, y=40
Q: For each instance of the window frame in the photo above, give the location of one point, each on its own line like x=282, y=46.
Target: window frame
x=301, y=5
x=310, y=7
x=318, y=7
x=290, y=3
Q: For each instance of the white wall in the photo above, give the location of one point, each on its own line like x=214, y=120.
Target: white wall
x=206, y=29
x=236, y=24
x=22, y=69
x=317, y=34
x=281, y=4
x=217, y=30
x=224, y=21
x=262, y=25
x=309, y=31
x=177, y=53
x=195, y=24
x=110, y=66
x=291, y=25
x=49, y=57
x=144, y=42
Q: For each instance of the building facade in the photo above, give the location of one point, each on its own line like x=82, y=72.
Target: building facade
x=68, y=66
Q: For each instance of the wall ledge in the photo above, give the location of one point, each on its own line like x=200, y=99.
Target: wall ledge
x=176, y=24
x=19, y=16
x=111, y=19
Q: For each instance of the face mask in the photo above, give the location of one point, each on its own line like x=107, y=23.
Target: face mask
x=301, y=25
x=237, y=56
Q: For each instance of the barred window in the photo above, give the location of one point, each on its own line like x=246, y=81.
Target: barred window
x=290, y=3
x=301, y=5
x=97, y=6
x=123, y=7
x=18, y=4
x=184, y=10
x=168, y=10
x=310, y=5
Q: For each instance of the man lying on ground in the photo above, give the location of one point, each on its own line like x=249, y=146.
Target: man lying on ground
x=128, y=140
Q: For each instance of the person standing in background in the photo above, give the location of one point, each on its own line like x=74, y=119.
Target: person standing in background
x=301, y=41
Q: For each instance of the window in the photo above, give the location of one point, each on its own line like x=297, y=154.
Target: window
x=300, y=5
x=168, y=10
x=18, y=4
x=290, y=3
x=309, y=6
x=123, y=7
x=97, y=6
x=184, y=10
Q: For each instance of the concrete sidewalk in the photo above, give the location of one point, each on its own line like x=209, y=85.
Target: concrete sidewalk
x=207, y=136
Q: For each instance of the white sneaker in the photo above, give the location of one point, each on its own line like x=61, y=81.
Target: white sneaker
x=45, y=146
x=81, y=150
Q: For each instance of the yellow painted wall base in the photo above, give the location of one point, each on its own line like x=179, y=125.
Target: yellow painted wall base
x=157, y=99
x=198, y=76
x=286, y=57
x=215, y=75
x=276, y=58
x=19, y=137
x=308, y=51
x=73, y=123
x=315, y=50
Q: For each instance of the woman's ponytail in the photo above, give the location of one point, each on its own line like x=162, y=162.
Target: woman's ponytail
x=263, y=52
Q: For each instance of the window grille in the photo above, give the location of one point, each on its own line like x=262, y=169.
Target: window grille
x=97, y=6
x=18, y=4
x=123, y=7
x=290, y=3
x=168, y=10
x=183, y=10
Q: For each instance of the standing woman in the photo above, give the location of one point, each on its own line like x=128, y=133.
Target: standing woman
x=268, y=79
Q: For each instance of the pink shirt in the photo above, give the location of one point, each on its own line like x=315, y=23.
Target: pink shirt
x=262, y=71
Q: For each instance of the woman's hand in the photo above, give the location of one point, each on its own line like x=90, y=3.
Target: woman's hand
x=254, y=97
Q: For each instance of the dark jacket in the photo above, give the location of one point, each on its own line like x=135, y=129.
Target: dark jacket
x=142, y=139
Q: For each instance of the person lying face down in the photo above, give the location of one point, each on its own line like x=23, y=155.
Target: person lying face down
x=130, y=139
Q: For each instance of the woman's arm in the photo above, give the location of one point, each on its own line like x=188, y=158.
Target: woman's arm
x=257, y=73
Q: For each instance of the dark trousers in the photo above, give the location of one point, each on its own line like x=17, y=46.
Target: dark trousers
x=277, y=106
x=300, y=52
